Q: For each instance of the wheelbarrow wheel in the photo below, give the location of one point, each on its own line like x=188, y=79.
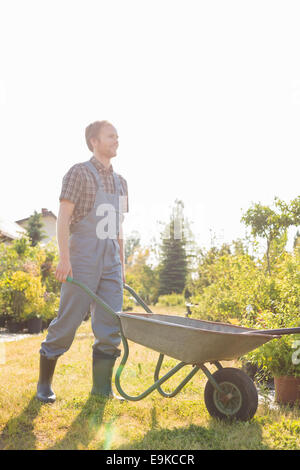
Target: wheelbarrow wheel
x=239, y=399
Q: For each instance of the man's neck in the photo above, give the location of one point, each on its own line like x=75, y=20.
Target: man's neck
x=103, y=159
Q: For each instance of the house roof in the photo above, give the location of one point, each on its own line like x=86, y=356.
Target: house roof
x=10, y=229
x=44, y=213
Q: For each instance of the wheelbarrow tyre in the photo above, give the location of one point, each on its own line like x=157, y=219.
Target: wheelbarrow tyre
x=242, y=406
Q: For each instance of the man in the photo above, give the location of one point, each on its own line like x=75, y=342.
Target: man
x=93, y=198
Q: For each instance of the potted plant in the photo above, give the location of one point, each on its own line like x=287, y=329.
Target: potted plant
x=34, y=323
x=280, y=357
x=276, y=358
x=13, y=300
x=15, y=325
x=3, y=319
x=34, y=308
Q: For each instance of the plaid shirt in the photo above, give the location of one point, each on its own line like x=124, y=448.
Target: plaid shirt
x=80, y=187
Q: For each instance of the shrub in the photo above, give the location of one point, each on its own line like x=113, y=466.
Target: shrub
x=238, y=281
x=48, y=267
x=171, y=300
x=276, y=356
x=51, y=306
x=235, y=282
x=128, y=303
x=22, y=295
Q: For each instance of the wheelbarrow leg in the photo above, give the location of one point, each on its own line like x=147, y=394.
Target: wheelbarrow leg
x=180, y=386
x=210, y=378
x=217, y=364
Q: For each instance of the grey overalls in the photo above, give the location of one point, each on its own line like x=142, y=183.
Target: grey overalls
x=95, y=262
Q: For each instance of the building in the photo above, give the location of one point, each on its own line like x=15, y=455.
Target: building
x=49, y=220
x=10, y=230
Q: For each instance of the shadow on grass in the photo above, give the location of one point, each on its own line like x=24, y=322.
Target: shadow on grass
x=216, y=435
x=18, y=433
x=85, y=427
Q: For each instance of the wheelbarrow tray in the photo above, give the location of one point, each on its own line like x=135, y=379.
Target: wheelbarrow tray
x=189, y=340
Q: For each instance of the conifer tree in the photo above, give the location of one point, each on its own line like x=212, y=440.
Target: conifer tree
x=34, y=228
x=174, y=265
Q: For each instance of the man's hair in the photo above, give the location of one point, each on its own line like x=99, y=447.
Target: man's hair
x=93, y=131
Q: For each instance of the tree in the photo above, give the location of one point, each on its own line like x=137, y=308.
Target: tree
x=296, y=243
x=207, y=260
x=173, y=268
x=22, y=245
x=142, y=276
x=34, y=229
x=271, y=224
x=291, y=210
x=132, y=243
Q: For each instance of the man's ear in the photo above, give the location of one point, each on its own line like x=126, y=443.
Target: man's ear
x=93, y=142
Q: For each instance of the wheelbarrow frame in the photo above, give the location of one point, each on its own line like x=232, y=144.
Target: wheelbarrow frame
x=159, y=381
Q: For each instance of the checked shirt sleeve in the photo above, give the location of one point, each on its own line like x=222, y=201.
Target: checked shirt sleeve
x=72, y=185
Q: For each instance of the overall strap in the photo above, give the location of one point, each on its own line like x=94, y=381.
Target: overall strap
x=92, y=168
x=117, y=184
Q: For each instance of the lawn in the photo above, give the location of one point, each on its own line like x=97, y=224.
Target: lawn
x=80, y=421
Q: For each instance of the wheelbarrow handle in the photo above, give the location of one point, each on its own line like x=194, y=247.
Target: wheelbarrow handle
x=93, y=295
x=101, y=302
x=138, y=298
x=280, y=331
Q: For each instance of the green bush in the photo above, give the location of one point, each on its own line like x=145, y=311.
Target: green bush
x=171, y=300
x=28, y=287
x=51, y=306
x=48, y=267
x=22, y=295
x=143, y=278
x=276, y=356
x=9, y=259
x=232, y=283
x=239, y=281
x=128, y=303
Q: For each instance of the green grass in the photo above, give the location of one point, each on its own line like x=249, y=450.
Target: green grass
x=80, y=421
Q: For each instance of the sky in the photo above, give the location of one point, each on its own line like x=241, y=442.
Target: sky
x=205, y=96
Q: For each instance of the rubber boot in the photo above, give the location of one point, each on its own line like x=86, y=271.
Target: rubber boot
x=103, y=365
x=44, y=390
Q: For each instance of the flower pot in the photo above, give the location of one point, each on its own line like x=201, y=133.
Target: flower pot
x=34, y=325
x=3, y=319
x=46, y=323
x=15, y=326
x=287, y=389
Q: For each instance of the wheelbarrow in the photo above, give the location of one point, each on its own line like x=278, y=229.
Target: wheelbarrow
x=229, y=392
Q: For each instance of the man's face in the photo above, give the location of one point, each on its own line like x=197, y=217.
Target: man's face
x=107, y=141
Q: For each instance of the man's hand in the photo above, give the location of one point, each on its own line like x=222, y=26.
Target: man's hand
x=63, y=270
